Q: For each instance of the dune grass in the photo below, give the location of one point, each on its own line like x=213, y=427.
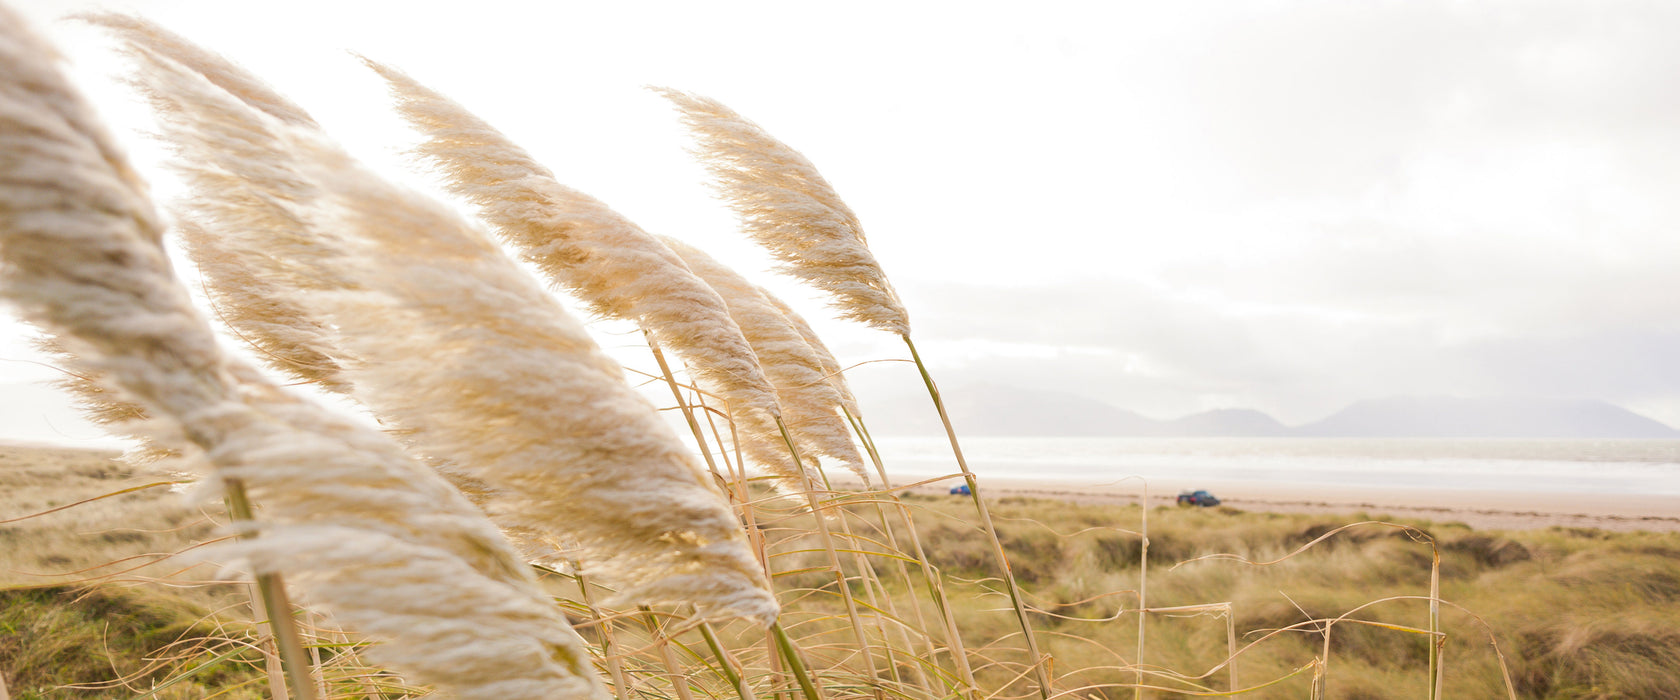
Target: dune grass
x=1577, y=613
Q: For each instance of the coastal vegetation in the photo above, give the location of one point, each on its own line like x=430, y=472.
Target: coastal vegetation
x=518, y=521
x=1575, y=613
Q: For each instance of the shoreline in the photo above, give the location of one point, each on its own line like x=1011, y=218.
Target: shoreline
x=1505, y=509
x=1481, y=510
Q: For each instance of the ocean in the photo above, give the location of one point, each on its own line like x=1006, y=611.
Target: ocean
x=1606, y=467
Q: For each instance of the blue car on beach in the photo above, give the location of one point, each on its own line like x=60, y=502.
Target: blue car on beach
x=1197, y=498
x=961, y=490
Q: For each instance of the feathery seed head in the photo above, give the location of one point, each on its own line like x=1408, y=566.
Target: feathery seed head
x=786, y=206
x=212, y=66
x=368, y=534
x=831, y=367
x=810, y=404
x=582, y=245
x=511, y=393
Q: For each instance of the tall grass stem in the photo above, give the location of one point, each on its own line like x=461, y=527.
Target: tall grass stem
x=833, y=555
x=934, y=584
x=673, y=666
x=687, y=410
x=986, y=520
x=1143, y=588
x=790, y=655
x=724, y=661
x=1436, y=642
x=615, y=667
x=276, y=605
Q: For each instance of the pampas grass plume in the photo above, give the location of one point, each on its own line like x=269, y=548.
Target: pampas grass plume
x=810, y=404
x=510, y=390
x=786, y=206
x=376, y=540
x=831, y=367
x=581, y=244
x=603, y=258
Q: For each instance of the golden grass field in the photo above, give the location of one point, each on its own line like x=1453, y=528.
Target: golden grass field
x=89, y=597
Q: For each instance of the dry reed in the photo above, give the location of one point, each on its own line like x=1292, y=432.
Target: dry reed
x=618, y=270
x=787, y=207
x=509, y=389
x=377, y=539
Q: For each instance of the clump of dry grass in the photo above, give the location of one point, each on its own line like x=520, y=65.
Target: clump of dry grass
x=512, y=392
x=387, y=546
x=59, y=636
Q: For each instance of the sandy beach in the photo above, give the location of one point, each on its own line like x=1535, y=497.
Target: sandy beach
x=1510, y=509
x=1484, y=510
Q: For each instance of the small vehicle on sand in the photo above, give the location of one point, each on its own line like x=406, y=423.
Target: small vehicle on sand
x=1197, y=498
x=961, y=490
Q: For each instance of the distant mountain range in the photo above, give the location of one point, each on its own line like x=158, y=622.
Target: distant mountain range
x=1008, y=411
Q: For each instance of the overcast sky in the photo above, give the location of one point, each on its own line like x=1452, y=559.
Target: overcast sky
x=1170, y=207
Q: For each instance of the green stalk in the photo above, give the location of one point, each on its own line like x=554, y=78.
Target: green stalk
x=272, y=590
x=986, y=520
x=1436, y=640
x=724, y=661
x=795, y=664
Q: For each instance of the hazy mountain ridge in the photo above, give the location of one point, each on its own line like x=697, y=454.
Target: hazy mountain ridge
x=1487, y=417
x=989, y=409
